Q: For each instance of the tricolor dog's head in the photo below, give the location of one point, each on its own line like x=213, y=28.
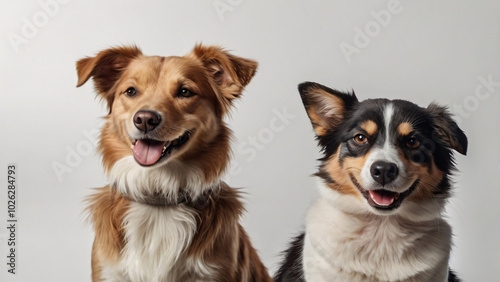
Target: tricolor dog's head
x=383, y=156
x=166, y=113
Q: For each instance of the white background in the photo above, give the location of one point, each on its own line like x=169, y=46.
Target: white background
x=427, y=51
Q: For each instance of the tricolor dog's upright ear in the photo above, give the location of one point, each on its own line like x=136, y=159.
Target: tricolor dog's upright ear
x=230, y=73
x=324, y=106
x=106, y=68
x=446, y=129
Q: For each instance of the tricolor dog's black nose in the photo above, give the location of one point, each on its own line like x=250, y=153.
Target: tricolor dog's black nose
x=383, y=172
x=146, y=120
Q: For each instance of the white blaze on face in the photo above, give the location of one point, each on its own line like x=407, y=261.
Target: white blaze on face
x=387, y=153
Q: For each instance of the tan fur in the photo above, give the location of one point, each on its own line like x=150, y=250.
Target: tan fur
x=429, y=179
x=325, y=112
x=220, y=240
x=319, y=127
x=404, y=128
x=355, y=165
x=107, y=209
x=340, y=173
x=216, y=77
x=149, y=75
x=370, y=127
x=106, y=68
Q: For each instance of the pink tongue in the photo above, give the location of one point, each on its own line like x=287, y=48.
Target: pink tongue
x=383, y=198
x=148, y=152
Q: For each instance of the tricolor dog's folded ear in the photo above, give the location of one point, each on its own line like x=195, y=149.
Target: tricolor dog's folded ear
x=105, y=68
x=230, y=73
x=446, y=129
x=324, y=106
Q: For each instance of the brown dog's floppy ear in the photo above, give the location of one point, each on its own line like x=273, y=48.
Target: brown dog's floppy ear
x=446, y=129
x=106, y=68
x=324, y=106
x=230, y=73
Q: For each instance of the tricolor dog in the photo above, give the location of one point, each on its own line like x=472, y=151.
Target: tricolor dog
x=384, y=181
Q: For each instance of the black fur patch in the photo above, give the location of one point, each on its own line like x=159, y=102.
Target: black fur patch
x=452, y=277
x=291, y=268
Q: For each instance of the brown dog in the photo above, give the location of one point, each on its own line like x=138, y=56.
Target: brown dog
x=166, y=215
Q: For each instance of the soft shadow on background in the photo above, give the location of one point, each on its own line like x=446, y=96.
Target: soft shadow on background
x=423, y=51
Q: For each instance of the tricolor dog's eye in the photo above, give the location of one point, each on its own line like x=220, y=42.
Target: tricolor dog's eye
x=186, y=93
x=412, y=143
x=360, y=139
x=131, y=92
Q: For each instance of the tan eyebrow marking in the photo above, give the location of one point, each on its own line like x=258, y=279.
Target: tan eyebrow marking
x=370, y=127
x=405, y=128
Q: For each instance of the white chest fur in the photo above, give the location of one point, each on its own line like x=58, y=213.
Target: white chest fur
x=343, y=247
x=156, y=238
x=156, y=241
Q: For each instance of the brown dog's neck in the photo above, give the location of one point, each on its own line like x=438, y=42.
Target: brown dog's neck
x=198, y=202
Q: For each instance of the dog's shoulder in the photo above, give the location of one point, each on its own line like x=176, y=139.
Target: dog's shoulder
x=217, y=224
x=222, y=210
x=106, y=209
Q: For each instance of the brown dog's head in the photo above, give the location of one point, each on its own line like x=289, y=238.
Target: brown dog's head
x=166, y=112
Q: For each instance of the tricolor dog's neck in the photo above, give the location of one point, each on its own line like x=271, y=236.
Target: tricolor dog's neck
x=341, y=246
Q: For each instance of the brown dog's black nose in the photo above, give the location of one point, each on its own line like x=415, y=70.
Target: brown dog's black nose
x=146, y=120
x=383, y=172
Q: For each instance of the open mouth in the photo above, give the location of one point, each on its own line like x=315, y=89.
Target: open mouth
x=382, y=199
x=148, y=152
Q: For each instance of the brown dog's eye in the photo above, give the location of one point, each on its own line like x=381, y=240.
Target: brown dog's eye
x=360, y=139
x=412, y=143
x=186, y=93
x=131, y=92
